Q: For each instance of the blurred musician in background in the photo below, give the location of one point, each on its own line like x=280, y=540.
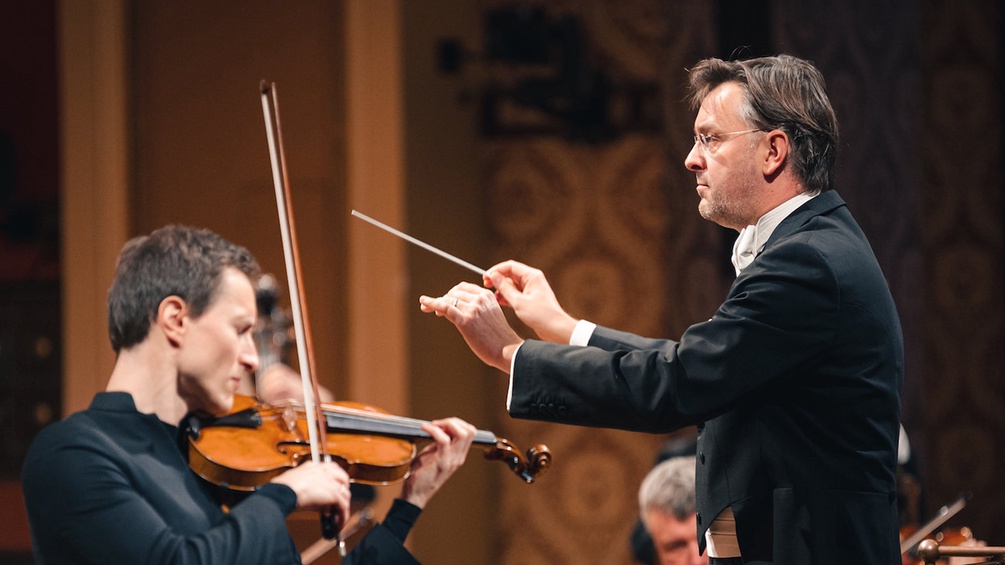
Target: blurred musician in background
x=667, y=509
x=275, y=381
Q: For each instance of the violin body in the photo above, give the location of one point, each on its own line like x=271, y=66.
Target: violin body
x=255, y=442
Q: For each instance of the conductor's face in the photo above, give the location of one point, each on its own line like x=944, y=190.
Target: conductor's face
x=724, y=159
x=218, y=349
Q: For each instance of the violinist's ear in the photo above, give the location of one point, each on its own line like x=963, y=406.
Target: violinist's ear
x=172, y=318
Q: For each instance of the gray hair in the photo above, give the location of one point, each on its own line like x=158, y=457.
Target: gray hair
x=669, y=488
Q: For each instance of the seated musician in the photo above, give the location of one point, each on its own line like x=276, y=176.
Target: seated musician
x=274, y=381
x=111, y=484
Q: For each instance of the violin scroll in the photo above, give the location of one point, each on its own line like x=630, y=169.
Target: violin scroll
x=536, y=462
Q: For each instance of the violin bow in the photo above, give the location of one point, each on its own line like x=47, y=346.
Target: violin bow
x=943, y=516
x=305, y=348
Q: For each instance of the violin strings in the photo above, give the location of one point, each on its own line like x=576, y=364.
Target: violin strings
x=481, y=436
x=345, y=410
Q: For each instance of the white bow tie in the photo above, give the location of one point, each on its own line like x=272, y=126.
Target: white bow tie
x=744, y=250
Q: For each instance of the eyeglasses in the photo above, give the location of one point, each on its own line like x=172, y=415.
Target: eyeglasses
x=706, y=139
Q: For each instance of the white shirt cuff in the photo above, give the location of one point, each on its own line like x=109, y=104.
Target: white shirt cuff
x=512, y=364
x=582, y=333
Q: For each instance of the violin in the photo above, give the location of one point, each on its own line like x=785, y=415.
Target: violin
x=255, y=442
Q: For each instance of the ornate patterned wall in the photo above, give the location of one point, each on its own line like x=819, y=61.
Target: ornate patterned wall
x=963, y=248
x=871, y=61
x=907, y=79
x=616, y=229
x=614, y=226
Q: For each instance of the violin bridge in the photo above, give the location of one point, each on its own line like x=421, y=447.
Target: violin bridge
x=290, y=418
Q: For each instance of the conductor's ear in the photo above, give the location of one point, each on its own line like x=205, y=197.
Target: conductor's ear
x=778, y=152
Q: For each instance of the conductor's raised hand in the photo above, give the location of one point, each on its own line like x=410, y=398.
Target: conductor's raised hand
x=526, y=290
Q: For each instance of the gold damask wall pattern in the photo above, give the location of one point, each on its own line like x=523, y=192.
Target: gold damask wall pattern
x=616, y=229
x=906, y=78
x=963, y=242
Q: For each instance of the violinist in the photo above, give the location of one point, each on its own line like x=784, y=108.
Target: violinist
x=111, y=484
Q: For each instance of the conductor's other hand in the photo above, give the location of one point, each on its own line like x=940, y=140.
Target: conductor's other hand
x=319, y=486
x=477, y=315
x=527, y=291
x=437, y=461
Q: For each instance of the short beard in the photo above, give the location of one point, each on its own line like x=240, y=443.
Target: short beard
x=734, y=208
x=731, y=212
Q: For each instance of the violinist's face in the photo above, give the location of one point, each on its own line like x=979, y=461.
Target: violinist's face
x=218, y=348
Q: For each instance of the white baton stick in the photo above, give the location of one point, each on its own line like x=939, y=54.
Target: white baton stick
x=421, y=244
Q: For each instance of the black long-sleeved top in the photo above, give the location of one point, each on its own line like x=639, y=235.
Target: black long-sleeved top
x=112, y=485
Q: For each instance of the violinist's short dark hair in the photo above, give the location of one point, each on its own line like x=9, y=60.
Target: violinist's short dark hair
x=785, y=93
x=172, y=261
